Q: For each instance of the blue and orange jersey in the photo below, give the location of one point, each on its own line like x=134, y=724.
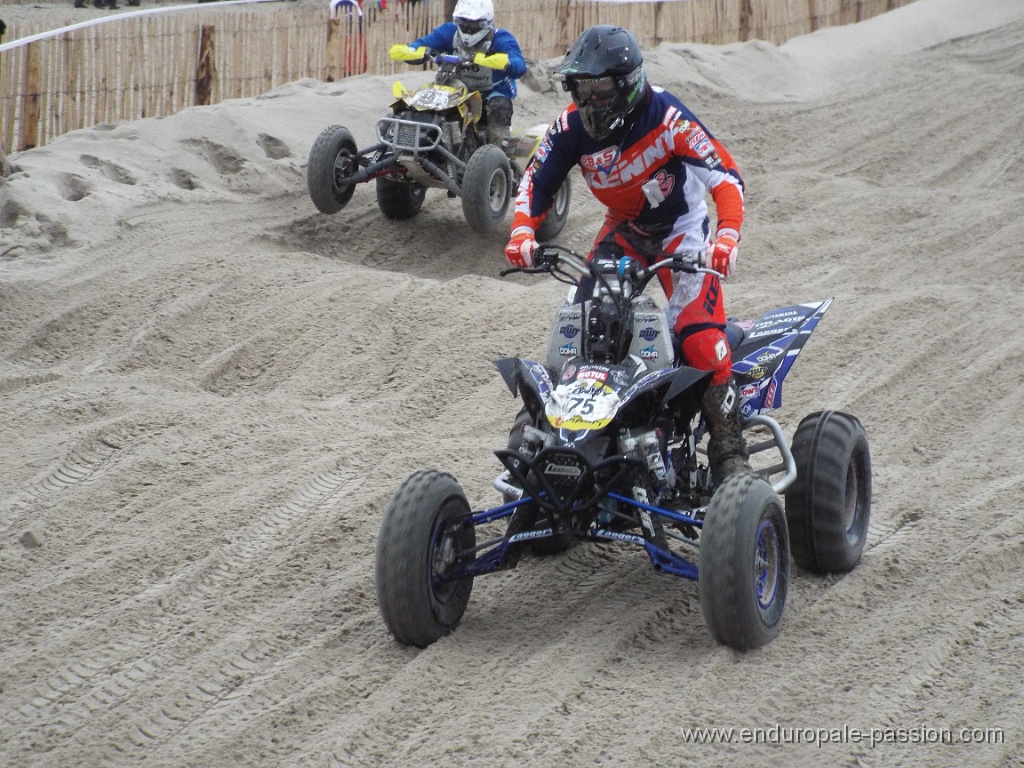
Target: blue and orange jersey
x=667, y=149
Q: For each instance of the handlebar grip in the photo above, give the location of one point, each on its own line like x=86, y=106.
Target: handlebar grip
x=688, y=262
x=545, y=256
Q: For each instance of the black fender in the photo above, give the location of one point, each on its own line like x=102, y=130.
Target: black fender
x=687, y=389
x=527, y=379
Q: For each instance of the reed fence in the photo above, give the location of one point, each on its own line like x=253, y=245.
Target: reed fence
x=156, y=62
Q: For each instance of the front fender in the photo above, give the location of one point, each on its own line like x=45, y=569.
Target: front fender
x=687, y=389
x=526, y=378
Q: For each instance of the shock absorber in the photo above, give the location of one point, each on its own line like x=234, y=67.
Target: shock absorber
x=647, y=447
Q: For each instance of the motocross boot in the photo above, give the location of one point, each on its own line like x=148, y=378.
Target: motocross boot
x=727, y=448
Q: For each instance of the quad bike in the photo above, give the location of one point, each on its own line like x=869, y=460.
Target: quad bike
x=433, y=138
x=609, y=446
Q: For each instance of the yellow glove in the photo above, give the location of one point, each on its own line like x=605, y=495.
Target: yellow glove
x=494, y=61
x=402, y=52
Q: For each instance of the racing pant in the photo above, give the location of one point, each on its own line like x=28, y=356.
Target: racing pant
x=498, y=119
x=696, y=310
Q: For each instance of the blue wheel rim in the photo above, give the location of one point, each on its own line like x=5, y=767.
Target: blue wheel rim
x=767, y=564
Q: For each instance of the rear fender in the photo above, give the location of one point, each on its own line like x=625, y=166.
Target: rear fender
x=768, y=351
x=524, y=146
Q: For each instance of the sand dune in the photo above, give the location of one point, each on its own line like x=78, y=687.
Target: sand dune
x=210, y=391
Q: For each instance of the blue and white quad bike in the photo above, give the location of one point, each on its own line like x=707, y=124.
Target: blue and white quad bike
x=609, y=446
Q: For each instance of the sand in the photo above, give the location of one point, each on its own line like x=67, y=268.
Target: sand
x=210, y=391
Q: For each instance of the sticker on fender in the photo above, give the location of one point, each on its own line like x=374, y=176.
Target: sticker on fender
x=582, y=404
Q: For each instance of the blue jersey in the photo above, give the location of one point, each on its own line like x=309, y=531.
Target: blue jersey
x=442, y=40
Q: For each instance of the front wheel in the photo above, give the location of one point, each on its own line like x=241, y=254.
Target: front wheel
x=486, y=189
x=399, y=199
x=331, y=159
x=426, y=533
x=557, y=213
x=744, y=563
x=829, y=505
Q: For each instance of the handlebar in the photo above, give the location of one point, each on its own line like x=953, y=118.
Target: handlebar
x=552, y=258
x=467, y=62
x=450, y=58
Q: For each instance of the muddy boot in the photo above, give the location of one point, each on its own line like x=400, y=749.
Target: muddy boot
x=498, y=135
x=727, y=448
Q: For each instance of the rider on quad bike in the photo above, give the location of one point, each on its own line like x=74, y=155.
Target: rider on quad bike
x=650, y=161
x=471, y=34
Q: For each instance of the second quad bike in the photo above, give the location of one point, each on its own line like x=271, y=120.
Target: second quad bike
x=610, y=447
x=433, y=138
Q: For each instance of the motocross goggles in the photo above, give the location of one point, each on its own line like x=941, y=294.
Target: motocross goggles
x=470, y=27
x=592, y=90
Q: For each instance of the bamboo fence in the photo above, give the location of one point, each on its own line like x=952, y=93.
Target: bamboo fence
x=138, y=65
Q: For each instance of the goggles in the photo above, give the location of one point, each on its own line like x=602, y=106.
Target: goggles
x=471, y=26
x=598, y=91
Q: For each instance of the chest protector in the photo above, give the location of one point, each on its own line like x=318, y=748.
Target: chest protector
x=476, y=78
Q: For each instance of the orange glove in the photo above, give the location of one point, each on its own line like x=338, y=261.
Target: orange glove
x=521, y=246
x=721, y=256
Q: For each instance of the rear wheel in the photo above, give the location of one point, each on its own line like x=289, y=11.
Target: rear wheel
x=828, y=507
x=557, y=214
x=331, y=159
x=744, y=563
x=486, y=189
x=399, y=199
x=425, y=534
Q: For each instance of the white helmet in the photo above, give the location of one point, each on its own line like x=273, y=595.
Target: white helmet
x=474, y=18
